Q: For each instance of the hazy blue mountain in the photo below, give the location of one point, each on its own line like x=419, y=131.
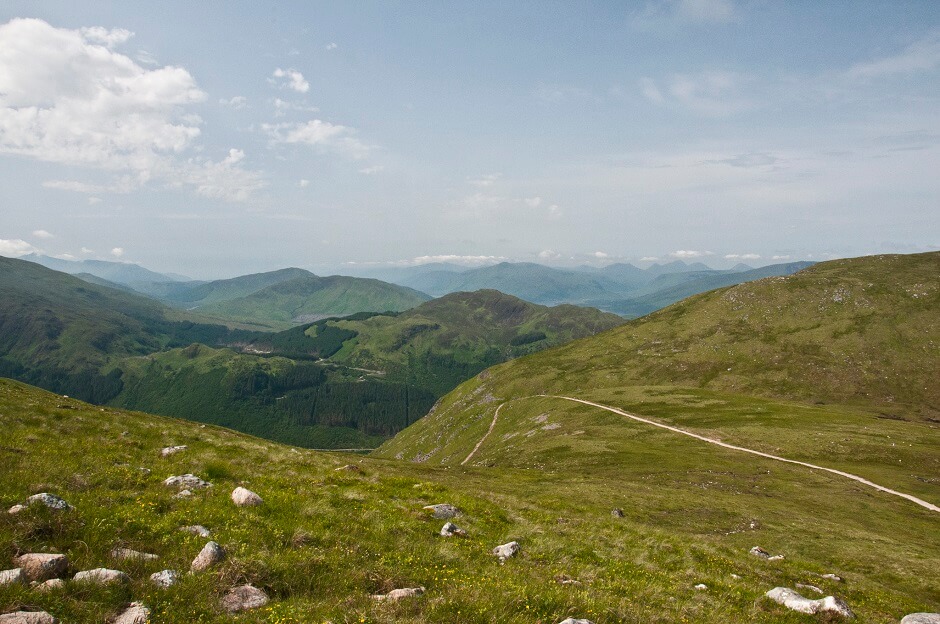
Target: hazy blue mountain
x=126, y=273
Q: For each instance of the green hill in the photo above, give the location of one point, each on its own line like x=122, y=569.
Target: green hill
x=194, y=294
x=309, y=297
x=326, y=539
x=863, y=334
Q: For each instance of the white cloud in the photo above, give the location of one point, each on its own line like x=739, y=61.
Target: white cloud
x=146, y=58
x=533, y=202
x=117, y=252
x=600, y=255
x=922, y=55
x=293, y=79
x=780, y=257
x=86, y=250
x=372, y=170
x=331, y=46
x=94, y=200
x=14, y=248
x=124, y=184
x=42, y=234
x=64, y=256
x=712, y=93
x=554, y=211
x=684, y=254
x=321, y=134
x=649, y=259
x=457, y=259
x=745, y=256
x=238, y=102
x=485, y=180
x=220, y=180
x=659, y=12
x=549, y=254
x=304, y=183
x=282, y=106
x=109, y=38
x=650, y=91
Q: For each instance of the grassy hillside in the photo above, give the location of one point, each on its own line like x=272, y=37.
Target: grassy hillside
x=862, y=333
x=324, y=540
x=195, y=294
x=309, y=297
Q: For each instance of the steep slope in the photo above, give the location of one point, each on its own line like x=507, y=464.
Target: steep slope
x=309, y=297
x=325, y=539
x=862, y=333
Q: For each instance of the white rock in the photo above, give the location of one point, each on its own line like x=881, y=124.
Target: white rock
x=242, y=598
x=243, y=497
x=832, y=577
x=186, y=481
x=450, y=529
x=170, y=450
x=101, y=576
x=15, y=509
x=183, y=494
x=55, y=584
x=505, y=551
x=757, y=551
x=701, y=587
x=42, y=566
x=49, y=500
x=211, y=554
x=10, y=577
x=132, y=555
x=196, y=529
x=809, y=587
x=398, y=594
x=775, y=558
x=792, y=600
x=443, y=511
x=164, y=578
x=136, y=613
x=28, y=617
x=921, y=618
x=349, y=468
x=572, y=620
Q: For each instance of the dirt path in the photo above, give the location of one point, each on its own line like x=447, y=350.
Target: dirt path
x=840, y=473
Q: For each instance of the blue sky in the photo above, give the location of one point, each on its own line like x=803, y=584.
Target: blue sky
x=223, y=138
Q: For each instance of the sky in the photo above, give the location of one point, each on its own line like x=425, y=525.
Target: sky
x=213, y=139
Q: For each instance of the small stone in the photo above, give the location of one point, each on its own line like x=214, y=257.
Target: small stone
x=757, y=551
x=136, y=613
x=49, y=500
x=832, y=577
x=809, y=587
x=775, y=558
x=196, y=529
x=186, y=481
x=564, y=579
x=242, y=598
x=15, y=509
x=132, y=555
x=795, y=602
x=736, y=577
x=11, y=577
x=349, y=468
x=243, y=497
x=505, y=551
x=211, y=554
x=701, y=587
x=170, y=450
x=921, y=618
x=55, y=584
x=183, y=494
x=572, y=620
x=28, y=617
x=450, y=529
x=101, y=576
x=164, y=578
x=616, y=513
x=443, y=511
x=41, y=566
x=398, y=594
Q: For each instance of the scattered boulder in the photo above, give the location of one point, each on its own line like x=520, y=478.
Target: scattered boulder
x=832, y=577
x=186, y=481
x=49, y=500
x=564, y=579
x=101, y=576
x=349, y=468
x=136, y=613
x=164, y=578
x=211, y=554
x=183, y=494
x=15, y=509
x=572, y=620
x=809, y=587
x=242, y=598
x=757, y=551
x=450, y=529
x=41, y=566
x=55, y=584
x=11, y=577
x=701, y=587
x=170, y=450
x=616, y=513
x=795, y=602
x=505, y=551
x=243, y=497
x=398, y=594
x=28, y=617
x=196, y=529
x=921, y=618
x=443, y=511
x=127, y=554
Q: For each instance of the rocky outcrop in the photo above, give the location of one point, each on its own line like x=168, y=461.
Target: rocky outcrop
x=101, y=576
x=43, y=498
x=450, y=530
x=398, y=594
x=136, y=613
x=243, y=497
x=242, y=598
x=42, y=566
x=505, y=551
x=186, y=481
x=171, y=450
x=28, y=617
x=212, y=554
x=921, y=618
x=126, y=554
x=443, y=511
x=164, y=578
x=795, y=602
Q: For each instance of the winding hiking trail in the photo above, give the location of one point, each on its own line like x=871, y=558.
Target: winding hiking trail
x=615, y=410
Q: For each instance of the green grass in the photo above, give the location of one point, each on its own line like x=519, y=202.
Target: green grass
x=325, y=540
